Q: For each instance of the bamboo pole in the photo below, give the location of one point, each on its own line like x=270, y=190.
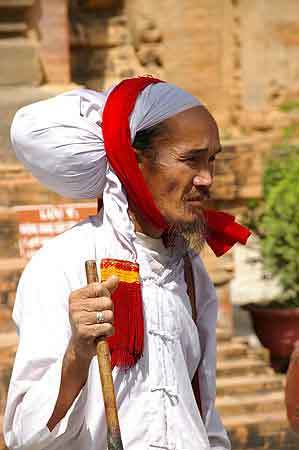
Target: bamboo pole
x=114, y=441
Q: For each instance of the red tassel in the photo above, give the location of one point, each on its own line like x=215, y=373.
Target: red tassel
x=126, y=345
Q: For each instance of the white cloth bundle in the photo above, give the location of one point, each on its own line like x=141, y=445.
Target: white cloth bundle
x=60, y=141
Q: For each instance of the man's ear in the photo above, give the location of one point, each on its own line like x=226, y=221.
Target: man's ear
x=138, y=155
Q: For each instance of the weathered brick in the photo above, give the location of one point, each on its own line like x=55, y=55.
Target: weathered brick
x=54, y=46
x=11, y=99
x=193, y=35
x=16, y=3
x=269, y=44
x=99, y=32
x=22, y=65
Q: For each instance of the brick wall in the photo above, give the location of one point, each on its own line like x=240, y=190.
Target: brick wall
x=18, y=45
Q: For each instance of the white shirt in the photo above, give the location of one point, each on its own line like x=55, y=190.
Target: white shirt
x=156, y=406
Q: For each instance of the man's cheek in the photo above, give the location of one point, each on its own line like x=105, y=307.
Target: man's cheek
x=171, y=187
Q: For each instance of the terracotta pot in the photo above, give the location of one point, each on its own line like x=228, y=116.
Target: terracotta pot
x=278, y=330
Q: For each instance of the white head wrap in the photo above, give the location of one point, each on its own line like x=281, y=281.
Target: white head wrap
x=60, y=141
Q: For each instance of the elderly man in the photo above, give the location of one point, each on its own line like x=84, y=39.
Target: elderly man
x=148, y=149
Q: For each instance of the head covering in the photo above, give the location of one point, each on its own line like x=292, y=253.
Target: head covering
x=82, y=158
x=223, y=232
x=69, y=156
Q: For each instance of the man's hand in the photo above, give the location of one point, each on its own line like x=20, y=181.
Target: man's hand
x=84, y=305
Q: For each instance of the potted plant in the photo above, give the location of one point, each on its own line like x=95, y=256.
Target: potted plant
x=276, y=323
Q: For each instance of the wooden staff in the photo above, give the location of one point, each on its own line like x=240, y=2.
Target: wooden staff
x=114, y=441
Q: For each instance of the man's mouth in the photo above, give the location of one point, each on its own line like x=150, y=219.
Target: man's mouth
x=198, y=197
x=195, y=199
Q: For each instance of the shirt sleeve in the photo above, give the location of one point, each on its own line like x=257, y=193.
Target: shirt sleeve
x=207, y=307
x=42, y=320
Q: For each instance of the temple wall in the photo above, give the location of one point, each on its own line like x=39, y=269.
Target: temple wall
x=269, y=52
x=239, y=57
x=269, y=58
x=18, y=45
x=196, y=50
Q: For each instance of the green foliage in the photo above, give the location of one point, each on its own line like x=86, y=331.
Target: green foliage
x=277, y=167
x=291, y=132
x=289, y=106
x=253, y=216
x=280, y=220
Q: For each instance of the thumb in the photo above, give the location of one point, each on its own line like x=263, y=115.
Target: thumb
x=111, y=283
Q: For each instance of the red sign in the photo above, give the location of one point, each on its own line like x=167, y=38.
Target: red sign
x=39, y=223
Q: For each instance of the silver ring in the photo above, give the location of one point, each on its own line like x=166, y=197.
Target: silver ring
x=100, y=317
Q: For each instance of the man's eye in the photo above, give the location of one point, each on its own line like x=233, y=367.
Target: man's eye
x=212, y=158
x=189, y=160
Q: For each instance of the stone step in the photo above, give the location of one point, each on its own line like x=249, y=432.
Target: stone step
x=16, y=3
x=6, y=323
x=22, y=189
x=249, y=384
x=8, y=230
x=2, y=444
x=11, y=99
x=10, y=272
x=230, y=350
x=8, y=341
x=8, y=346
x=229, y=406
x=13, y=27
x=223, y=334
x=289, y=446
x=269, y=421
x=241, y=366
x=261, y=431
x=9, y=266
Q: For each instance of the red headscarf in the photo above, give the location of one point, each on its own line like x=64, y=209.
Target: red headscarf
x=223, y=232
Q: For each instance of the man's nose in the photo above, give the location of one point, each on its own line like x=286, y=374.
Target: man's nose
x=204, y=178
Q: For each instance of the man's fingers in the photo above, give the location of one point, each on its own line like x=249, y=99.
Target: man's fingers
x=111, y=283
x=103, y=329
x=93, y=304
x=94, y=290
x=90, y=318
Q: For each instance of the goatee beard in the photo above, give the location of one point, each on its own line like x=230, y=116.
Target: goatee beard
x=188, y=236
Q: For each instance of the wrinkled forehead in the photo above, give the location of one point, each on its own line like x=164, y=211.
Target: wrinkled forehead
x=195, y=126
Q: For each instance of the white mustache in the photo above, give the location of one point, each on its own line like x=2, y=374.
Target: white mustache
x=199, y=197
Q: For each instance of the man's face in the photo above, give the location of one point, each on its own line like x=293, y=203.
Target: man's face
x=181, y=176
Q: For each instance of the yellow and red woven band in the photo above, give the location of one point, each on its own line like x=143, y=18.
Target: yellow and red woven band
x=126, y=271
